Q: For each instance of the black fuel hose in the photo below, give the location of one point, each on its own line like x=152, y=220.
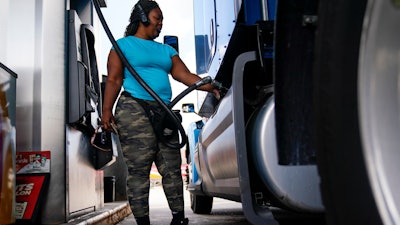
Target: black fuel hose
x=205, y=80
x=167, y=108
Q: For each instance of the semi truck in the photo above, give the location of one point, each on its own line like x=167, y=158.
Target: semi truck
x=308, y=119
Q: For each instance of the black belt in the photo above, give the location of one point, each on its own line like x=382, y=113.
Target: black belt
x=126, y=94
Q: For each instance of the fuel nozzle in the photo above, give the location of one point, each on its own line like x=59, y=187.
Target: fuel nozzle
x=219, y=86
x=209, y=80
x=216, y=84
x=205, y=80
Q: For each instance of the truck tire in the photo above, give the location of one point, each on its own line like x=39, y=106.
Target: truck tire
x=357, y=110
x=201, y=204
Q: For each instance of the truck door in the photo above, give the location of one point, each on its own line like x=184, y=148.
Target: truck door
x=205, y=33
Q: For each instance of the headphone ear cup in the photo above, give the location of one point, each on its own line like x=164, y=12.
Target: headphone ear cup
x=143, y=17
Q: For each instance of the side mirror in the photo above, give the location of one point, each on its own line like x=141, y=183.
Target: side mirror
x=188, y=107
x=172, y=41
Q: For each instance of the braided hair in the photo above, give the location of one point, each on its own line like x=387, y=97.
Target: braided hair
x=134, y=20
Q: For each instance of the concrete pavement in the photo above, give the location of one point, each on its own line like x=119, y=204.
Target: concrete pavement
x=224, y=211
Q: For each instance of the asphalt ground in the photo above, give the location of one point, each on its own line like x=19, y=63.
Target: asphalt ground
x=224, y=211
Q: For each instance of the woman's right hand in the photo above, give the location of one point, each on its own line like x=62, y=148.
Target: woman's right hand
x=107, y=120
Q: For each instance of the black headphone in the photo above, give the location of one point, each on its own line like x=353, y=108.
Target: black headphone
x=143, y=16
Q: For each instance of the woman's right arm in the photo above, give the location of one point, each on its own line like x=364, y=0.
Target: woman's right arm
x=113, y=87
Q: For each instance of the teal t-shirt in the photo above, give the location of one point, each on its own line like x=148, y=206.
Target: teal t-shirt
x=153, y=62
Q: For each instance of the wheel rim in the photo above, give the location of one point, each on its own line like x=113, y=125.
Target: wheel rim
x=379, y=104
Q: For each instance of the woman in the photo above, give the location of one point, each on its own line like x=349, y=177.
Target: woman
x=153, y=61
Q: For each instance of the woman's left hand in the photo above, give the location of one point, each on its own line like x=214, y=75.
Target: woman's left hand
x=216, y=93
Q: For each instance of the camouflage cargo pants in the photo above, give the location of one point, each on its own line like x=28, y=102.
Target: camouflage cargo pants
x=140, y=149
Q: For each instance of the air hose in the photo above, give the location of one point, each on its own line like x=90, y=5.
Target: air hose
x=167, y=108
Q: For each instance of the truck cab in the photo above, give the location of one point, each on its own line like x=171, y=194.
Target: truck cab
x=294, y=128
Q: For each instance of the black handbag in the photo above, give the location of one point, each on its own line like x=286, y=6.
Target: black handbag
x=101, y=139
x=163, y=125
x=105, y=145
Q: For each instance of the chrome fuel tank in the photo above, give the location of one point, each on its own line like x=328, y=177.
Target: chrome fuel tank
x=295, y=186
